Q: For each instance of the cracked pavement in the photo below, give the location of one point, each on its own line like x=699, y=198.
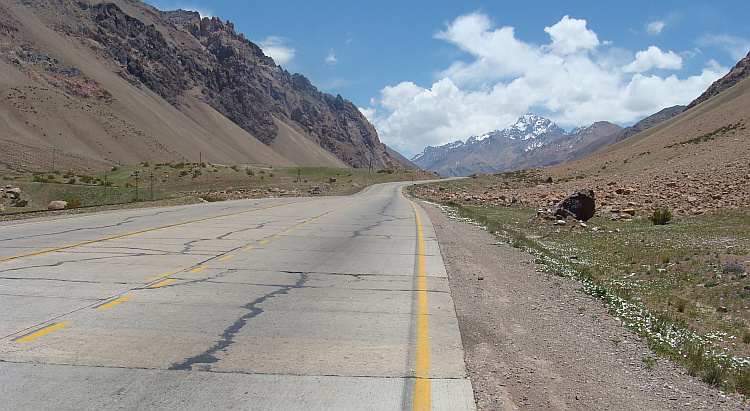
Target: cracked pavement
x=258, y=304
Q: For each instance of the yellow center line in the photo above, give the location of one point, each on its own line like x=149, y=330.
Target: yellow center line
x=169, y=273
x=115, y=237
x=42, y=332
x=226, y=257
x=114, y=303
x=165, y=282
x=263, y=242
x=248, y=248
x=289, y=230
x=195, y=270
x=277, y=236
x=422, y=386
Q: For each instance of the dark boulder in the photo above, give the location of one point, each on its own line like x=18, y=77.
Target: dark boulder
x=580, y=205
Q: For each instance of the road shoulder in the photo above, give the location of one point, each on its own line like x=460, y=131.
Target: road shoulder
x=534, y=340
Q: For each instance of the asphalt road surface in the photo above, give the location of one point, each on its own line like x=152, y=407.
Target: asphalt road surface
x=277, y=304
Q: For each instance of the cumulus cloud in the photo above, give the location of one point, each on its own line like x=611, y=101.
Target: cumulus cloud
x=570, y=35
x=653, y=57
x=571, y=80
x=276, y=48
x=655, y=27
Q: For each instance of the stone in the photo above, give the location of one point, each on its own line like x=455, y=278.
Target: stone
x=15, y=193
x=57, y=205
x=2, y=208
x=629, y=211
x=580, y=204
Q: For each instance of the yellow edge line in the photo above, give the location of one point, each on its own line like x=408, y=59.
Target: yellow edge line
x=115, y=237
x=114, y=303
x=169, y=273
x=42, y=332
x=165, y=282
x=422, y=386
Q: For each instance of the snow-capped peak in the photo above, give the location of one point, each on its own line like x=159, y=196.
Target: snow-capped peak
x=530, y=126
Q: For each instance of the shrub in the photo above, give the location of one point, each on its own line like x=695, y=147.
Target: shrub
x=72, y=180
x=73, y=203
x=249, y=172
x=661, y=216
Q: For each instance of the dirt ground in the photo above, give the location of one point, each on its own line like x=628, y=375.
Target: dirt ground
x=536, y=341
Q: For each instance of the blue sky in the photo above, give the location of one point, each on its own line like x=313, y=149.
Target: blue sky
x=432, y=72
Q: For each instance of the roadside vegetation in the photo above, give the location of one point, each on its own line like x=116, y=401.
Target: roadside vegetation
x=185, y=183
x=681, y=283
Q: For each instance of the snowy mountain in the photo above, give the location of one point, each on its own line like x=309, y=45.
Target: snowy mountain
x=532, y=141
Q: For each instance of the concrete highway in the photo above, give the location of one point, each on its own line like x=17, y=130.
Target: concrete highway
x=326, y=303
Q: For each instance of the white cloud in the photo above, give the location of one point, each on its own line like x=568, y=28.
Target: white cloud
x=570, y=35
x=737, y=47
x=655, y=27
x=275, y=48
x=653, y=57
x=570, y=80
x=331, y=59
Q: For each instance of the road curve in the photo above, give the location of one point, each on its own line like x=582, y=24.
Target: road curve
x=275, y=304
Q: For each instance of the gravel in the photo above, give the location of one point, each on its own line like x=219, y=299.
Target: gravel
x=535, y=341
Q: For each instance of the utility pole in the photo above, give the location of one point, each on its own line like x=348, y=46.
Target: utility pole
x=54, y=149
x=105, y=185
x=152, y=186
x=135, y=174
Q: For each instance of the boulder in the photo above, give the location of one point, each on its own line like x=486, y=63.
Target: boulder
x=15, y=193
x=57, y=205
x=580, y=205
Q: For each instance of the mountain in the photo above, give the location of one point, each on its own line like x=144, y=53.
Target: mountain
x=626, y=132
x=121, y=82
x=532, y=141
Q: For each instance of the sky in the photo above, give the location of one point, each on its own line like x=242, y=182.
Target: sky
x=426, y=73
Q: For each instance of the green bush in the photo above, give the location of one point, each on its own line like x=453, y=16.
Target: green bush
x=661, y=216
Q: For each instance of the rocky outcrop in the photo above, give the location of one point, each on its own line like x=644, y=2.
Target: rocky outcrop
x=238, y=80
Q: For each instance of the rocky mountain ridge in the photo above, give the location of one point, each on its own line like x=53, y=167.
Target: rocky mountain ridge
x=163, y=86
x=533, y=141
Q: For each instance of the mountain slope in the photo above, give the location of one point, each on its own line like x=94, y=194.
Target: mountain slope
x=636, y=128
x=109, y=83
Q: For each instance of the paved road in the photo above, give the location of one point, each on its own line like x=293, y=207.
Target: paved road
x=277, y=304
